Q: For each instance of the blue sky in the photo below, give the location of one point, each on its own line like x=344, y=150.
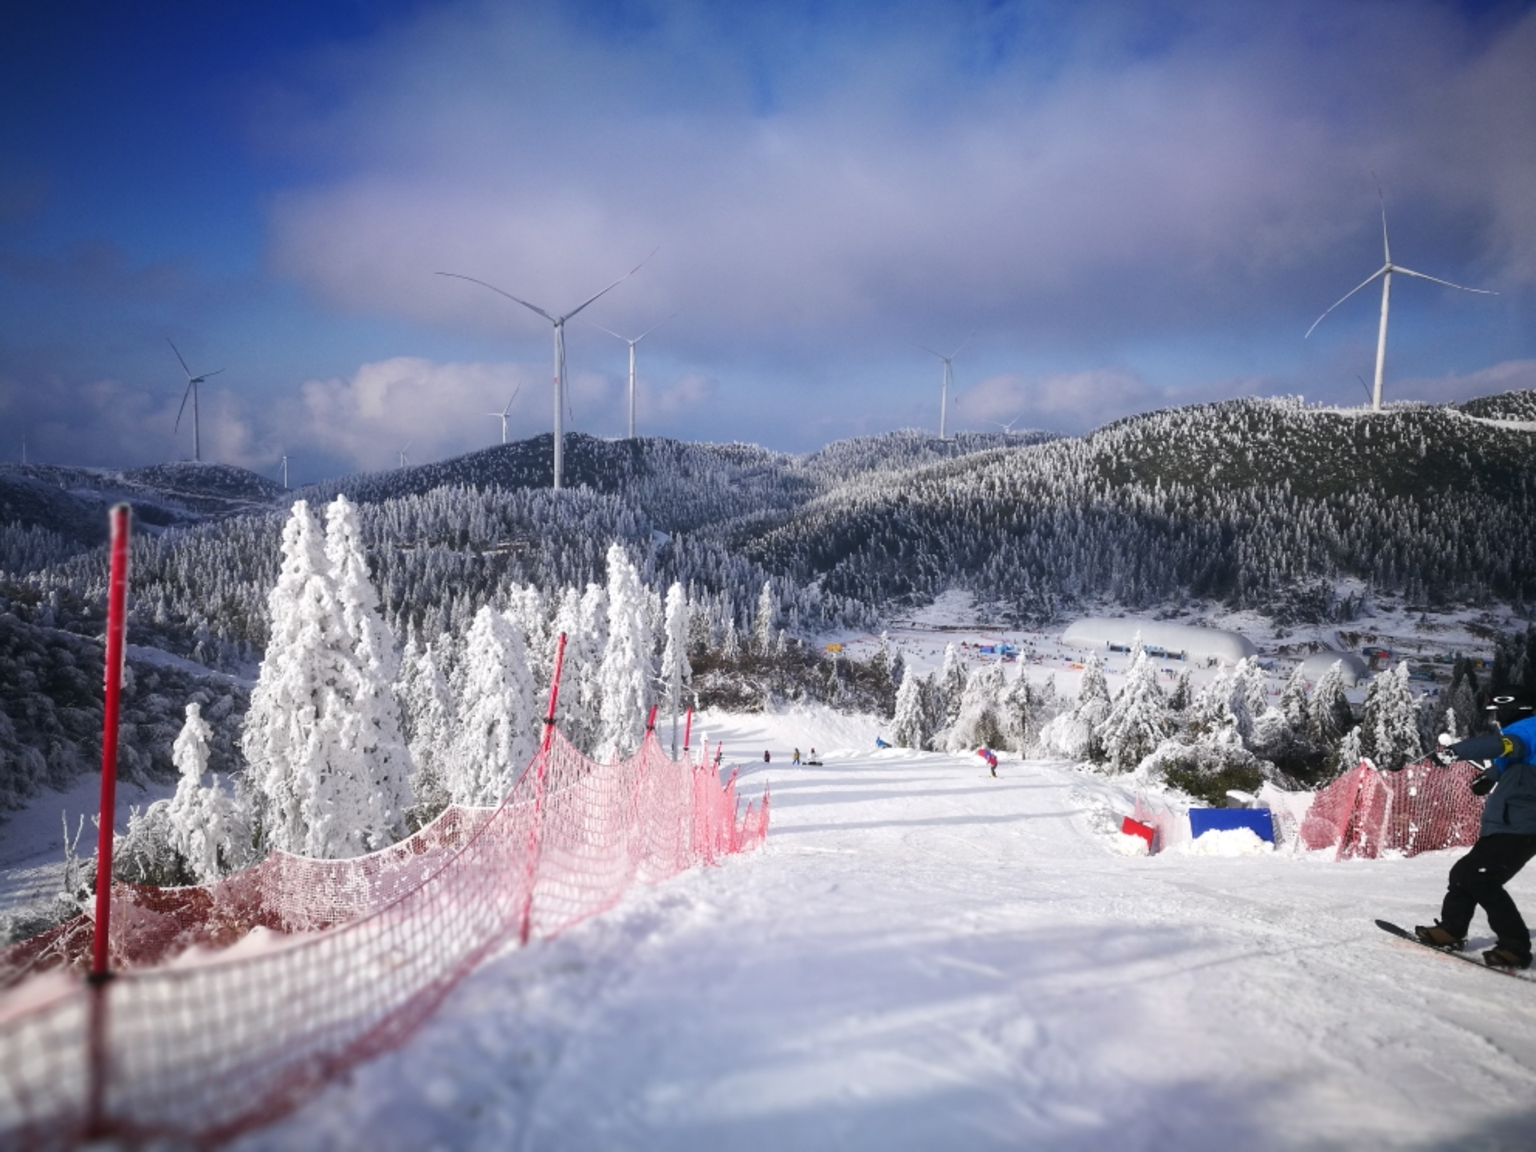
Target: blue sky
x=1130, y=206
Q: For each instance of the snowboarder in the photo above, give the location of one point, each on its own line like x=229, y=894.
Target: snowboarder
x=796, y=760
x=766, y=758
x=1506, y=836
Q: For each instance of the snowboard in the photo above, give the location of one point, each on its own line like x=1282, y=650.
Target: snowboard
x=1475, y=960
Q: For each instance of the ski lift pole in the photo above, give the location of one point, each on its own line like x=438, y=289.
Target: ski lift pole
x=541, y=773
x=101, y=972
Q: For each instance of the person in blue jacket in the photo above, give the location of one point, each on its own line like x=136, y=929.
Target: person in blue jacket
x=1506, y=837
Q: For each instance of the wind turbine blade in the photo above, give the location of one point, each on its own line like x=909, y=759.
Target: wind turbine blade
x=508, y=408
x=963, y=343
x=653, y=328
x=1386, y=245
x=176, y=350
x=205, y=375
x=499, y=292
x=1374, y=275
x=1437, y=280
x=610, y=287
x=610, y=331
x=931, y=352
x=183, y=408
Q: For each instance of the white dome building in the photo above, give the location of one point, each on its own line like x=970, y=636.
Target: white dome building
x=1180, y=641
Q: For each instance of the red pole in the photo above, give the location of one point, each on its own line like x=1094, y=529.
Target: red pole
x=687, y=729
x=96, y=1041
x=117, y=597
x=525, y=928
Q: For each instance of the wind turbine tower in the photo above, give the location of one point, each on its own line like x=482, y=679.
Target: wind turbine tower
x=948, y=379
x=192, y=383
x=285, y=470
x=402, y=453
x=1385, y=272
x=558, y=323
x=632, y=344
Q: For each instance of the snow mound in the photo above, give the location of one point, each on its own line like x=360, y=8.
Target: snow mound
x=1226, y=842
x=1128, y=845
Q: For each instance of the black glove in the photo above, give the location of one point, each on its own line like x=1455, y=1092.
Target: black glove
x=1443, y=757
x=1483, y=785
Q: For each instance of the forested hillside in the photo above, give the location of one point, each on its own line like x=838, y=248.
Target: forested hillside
x=1252, y=502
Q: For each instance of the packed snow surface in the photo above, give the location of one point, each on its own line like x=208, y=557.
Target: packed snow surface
x=926, y=957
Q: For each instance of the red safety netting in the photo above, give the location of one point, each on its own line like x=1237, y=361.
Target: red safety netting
x=359, y=951
x=1424, y=807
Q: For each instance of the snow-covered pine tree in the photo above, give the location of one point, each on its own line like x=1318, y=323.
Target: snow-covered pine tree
x=1389, y=724
x=203, y=825
x=497, y=727
x=764, y=621
x=1293, y=700
x=730, y=643
x=675, y=669
x=907, y=729
x=378, y=786
x=626, y=673
x=1329, y=715
x=1138, y=721
x=978, y=724
x=322, y=733
x=1348, y=752
x=952, y=680
x=1183, y=694
x=427, y=711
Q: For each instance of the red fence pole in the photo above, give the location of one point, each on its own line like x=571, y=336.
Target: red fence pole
x=687, y=730
x=117, y=626
x=541, y=770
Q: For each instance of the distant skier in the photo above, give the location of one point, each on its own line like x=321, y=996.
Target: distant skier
x=1506, y=837
x=990, y=757
x=766, y=758
x=796, y=760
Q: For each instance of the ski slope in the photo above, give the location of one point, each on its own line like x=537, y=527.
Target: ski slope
x=924, y=957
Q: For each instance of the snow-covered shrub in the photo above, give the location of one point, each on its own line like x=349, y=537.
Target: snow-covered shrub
x=1206, y=768
x=206, y=828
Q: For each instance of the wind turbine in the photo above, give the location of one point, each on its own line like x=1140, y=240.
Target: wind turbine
x=632, y=344
x=1008, y=427
x=948, y=377
x=559, y=325
x=192, y=383
x=1385, y=272
x=502, y=415
x=402, y=453
x=285, y=470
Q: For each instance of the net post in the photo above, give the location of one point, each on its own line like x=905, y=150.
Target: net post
x=117, y=599
x=650, y=721
x=541, y=771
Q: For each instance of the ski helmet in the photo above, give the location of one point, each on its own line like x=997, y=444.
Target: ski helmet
x=1511, y=704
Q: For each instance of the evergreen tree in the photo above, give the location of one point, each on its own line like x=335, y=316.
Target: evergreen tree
x=952, y=680
x=203, y=826
x=979, y=724
x=675, y=669
x=427, y=711
x=1329, y=715
x=763, y=623
x=626, y=670
x=1293, y=700
x=497, y=727
x=907, y=729
x=1138, y=721
x=1389, y=724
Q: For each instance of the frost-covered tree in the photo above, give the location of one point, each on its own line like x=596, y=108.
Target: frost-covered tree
x=1348, y=753
x=203, y=825
x=730, y=643
x=1293, y=700
x=1138, y=721
x=427, y=715
x=1329, y=715
x=907, y=728
x=321, y=737
x=764, y=621
x=675, y=669
x=497, y=728
x=1389, y=722
x=1075, y=732
x=952, y=680
x=626, y=673
x=979, y=724
x=583, y=618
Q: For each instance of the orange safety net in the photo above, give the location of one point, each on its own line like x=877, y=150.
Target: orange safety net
x=1420, y=809
x=362, y=951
